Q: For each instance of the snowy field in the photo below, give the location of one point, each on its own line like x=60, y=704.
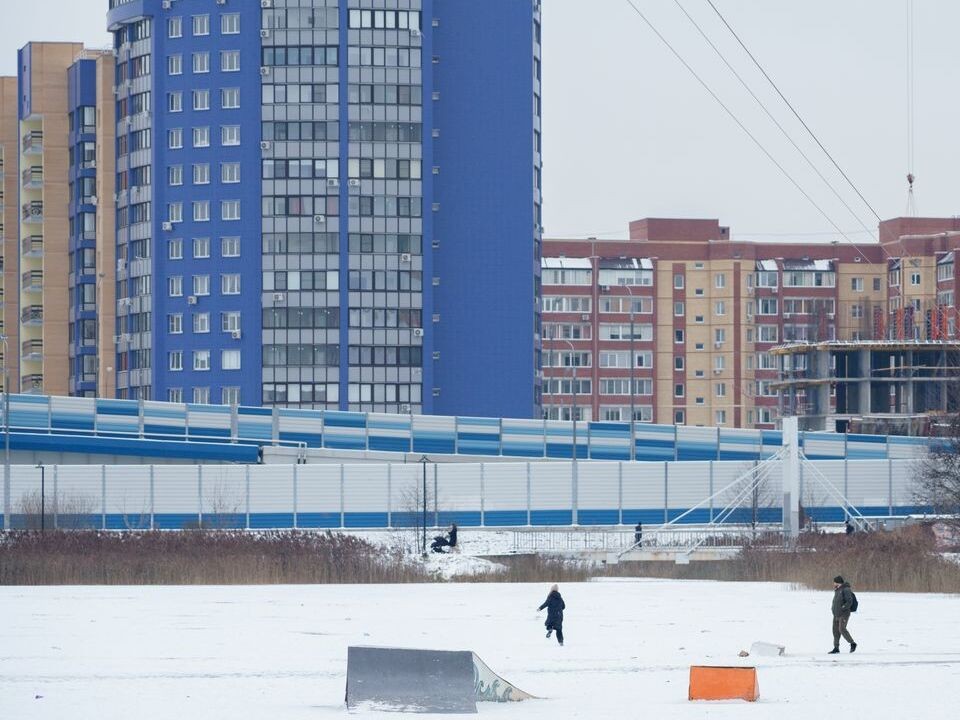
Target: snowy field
x=279, y=652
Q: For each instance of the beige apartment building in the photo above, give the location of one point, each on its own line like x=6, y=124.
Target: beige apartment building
x=57, y=139
x=720, y=329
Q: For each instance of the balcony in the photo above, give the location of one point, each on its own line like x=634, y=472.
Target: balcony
x=31, y=350
x=32, y=212
x=33, y=178
x=32, y=315
x=32, y=281
x=33, y=142
x=32, y=246
x=32, y=384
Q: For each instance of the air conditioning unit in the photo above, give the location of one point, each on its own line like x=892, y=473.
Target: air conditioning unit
x=221, y=2
x=167, y=226
x=718, y=344
x=404, y=257
x=717, y=371
x=418, y=332
x=264, y=33
x=333, y=182
x=235, y=334
x=414, y=32
x=264, y=70
x=191, y=300
x=354, y=182
x=774, y=291
x=319, y=219
x=166, y=4
x=126, y=302
x=279, y=297
x=266, y=3
x=265, y=145
x=93, y=200
x=404, y=408
x=584, y=317
x=604, y=288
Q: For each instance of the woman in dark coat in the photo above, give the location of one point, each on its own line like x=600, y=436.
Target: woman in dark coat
x=555, y=607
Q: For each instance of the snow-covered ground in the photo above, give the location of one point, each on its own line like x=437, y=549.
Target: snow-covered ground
x=280, y=651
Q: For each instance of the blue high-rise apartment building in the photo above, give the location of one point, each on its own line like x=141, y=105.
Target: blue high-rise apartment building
x=329, y=203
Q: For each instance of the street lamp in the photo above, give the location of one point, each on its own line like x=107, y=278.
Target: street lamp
x=43, y=495
x=423, y=463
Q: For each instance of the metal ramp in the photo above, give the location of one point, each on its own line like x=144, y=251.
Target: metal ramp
x=423, y=681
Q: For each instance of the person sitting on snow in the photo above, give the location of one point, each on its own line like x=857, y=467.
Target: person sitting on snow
x=440, y=542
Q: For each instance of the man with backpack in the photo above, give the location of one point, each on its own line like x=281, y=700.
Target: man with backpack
x=844, y=603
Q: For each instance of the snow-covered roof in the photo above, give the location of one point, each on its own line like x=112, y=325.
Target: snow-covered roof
x=565, y=263
x=767, y=265
x=808, y=264
x=626, y=264
x=948, y=258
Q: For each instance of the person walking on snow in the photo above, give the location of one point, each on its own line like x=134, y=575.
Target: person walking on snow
x=555, y=607
x=841, y=608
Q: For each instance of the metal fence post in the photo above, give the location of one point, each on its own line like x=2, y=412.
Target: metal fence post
x=620, y=493
x=389, y=495
x=103, y=497
x=436, y=510
x=846, y=485
x=248, y=497
x=889, y=485
x=529, y=513
x=711, y=489
x=200, y=495
x=56, y=493
x=666, y=503
x=482, y=499
x=343, y=517
x=152, y=508
x=295, y=478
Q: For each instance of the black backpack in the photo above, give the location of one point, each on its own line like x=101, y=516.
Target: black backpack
x=854, y=603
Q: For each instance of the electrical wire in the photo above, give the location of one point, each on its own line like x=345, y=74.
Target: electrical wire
x=743, y=127
x=773, y=119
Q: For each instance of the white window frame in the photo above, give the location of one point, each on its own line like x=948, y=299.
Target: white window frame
x=200, y=62
x=201, y=247
x=229, y=210
x=201, y=99
x=175, y=64
x=175, y=27
x=175, y=249
x=201, y=360
x=230, y=173
x=229, y=61
x=175, y=175
x=175, y=360
x=230, y=359
x=230, y=98
x=201, y=323
x=230, y=135
x=201, y=285
x=175, y=324
x=230, y=246
x=201, y=137
x=201, y=211
x=201, y=173
x=175, y=286
x=200, y=25
x=230, y=284
x=230, y=24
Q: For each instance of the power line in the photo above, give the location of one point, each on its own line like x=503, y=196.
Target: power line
x=770, y=115
x=794, y=110
x=742, y=126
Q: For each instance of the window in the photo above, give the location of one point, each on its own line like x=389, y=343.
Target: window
x=201, y=99
x=719, y=362
x=230, y=135
x=175, y=249
x=201, y=247
x=678, y=309
x=201, y=24
x=678, y=362
x=230, y=173
x=856, y=284
x=175, y=395
x=720, y=281
x=201, y=211
x=678, y=417
x=201, y=62
x=945, y=269
x=915, y=278
x=767, y=278
x=175, y=324
x=719, y=335
x=201, y=322
x=201, y=396
x=767, y=306
x=201, y=137
x=678, y=281
x=201, y=284
x=230, y=360
x=175, y=286
x=175, y=360
x=230, y=210
x=175, y=102
x=767, y=333
x=230, y=60
x=175, y=175
x=678, y=390
x=175, y=27
x=175, y=212
x=720, y=308
x=720, y=390
x=175, y=138
x=230, y=98
x=230, y=247
x=201, y=174
x=230, y=24
x=698, y=292
x=201, y=359
x=856, y=311
x=230, y=396
x=678, y=336
x=721, y=417
x=699, y=400
x=230, y=284
x=175, y=65
x=698, y=318
x=230, y=321
x=876, y=284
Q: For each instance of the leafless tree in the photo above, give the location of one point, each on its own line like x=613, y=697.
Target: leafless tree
x=938, y=473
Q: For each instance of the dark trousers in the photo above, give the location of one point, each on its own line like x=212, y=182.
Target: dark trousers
x=557, y=627
x=840, y=629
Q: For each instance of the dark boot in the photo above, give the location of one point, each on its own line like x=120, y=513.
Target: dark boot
x=835, y=651
x=853, y=647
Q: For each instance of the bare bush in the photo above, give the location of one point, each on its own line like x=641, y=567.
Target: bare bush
x=938, y=474
x=69, y=511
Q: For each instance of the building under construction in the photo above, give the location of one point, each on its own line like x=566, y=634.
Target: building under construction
x=870, y=386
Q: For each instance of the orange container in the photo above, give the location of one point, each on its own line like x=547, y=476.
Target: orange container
x=723, y=683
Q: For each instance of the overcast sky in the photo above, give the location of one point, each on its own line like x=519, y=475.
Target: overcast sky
x=629, y=133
